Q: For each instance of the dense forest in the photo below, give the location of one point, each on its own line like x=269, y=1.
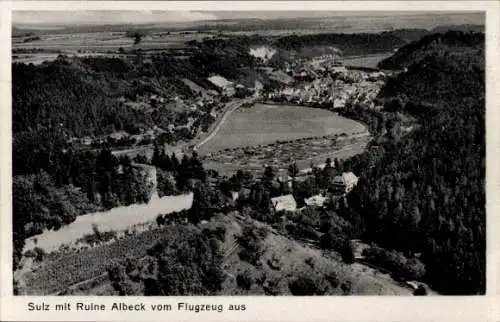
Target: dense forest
x=71, y=93
x=426, y=195
x=188, y=265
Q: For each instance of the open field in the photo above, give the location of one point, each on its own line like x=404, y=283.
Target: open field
x=367, y=61
x=103, y=41
x=223, y=117
x=94, y=43
x=264, y=124
x=117, y=219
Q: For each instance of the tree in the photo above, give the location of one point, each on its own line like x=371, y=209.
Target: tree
x=420, y=291
x=160, y=220
x=293, y=170
x=251, y=240
x=137, y=35
x=347, y=252
x=174, y=161
x=141, y=158
x=269, y=174
x=245, y=280
x=119, y=280
x=125, y=160
x=166, y=184
x=197, y=167
x=308, y=286
x=328, y=163
x=201, y=208
x=158, y=157
x=414, y=269
x=337, y=164
x=190, y=266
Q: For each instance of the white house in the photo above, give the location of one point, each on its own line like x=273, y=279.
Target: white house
x=223, y=84
x=286, y=202
x=345, y=183
x=317, y=200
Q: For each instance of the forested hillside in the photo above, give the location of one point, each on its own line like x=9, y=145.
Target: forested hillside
x=346, y=43
x=82, y=96
x=68, y=96
x=426, y=195
x=436, y=43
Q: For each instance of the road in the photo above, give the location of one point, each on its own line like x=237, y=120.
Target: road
x=230, y=108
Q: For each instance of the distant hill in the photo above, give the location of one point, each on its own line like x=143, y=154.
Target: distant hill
x=365, y=43
x=464, y=28
x=438, y=43
x=408, y=35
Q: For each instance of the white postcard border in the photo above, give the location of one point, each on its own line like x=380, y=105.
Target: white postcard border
x=356, y=308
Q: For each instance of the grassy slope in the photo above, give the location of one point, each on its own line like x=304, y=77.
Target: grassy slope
x=296, y=259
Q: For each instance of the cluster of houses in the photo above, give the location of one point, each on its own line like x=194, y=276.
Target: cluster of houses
x=333, y=91
x=342, y=185
x=326, y=82
x=119, y=138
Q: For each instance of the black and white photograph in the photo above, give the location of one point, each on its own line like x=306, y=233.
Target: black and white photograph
x=248, y=153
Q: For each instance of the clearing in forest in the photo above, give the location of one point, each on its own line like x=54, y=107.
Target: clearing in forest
x=264, y=124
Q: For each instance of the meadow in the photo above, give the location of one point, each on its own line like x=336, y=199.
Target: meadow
x=94, y=43
x=264, y=124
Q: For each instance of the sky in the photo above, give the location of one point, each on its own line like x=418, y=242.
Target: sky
x=146, y=17
x=106, y=17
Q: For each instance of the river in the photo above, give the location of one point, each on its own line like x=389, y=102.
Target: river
x=117, y=219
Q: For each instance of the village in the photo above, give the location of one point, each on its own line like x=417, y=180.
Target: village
x=325, y=82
